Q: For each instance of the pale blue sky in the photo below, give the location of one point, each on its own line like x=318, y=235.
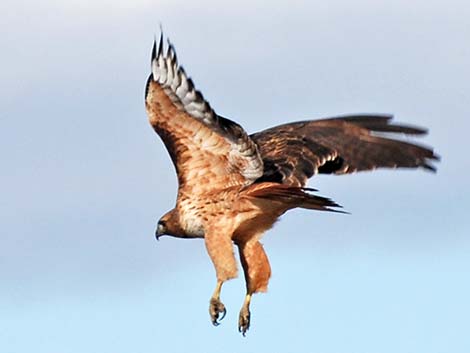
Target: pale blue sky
x=84, y=178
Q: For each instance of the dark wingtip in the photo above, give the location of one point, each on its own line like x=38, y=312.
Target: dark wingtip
x=336, y=208
x=160, y=44
x=154, y=50
x=382, y=123
x=337, y=211
x=427, y=163
x=429, y=167
x=410, y=129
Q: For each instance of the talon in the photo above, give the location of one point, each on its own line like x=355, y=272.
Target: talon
x=244, y=317
x=244, y=321
x=223, y=313
x=216, y=308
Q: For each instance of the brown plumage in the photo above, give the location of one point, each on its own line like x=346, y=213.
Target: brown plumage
x=294, y=152
x=232, y=186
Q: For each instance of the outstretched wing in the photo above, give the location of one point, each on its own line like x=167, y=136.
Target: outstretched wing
x=208, y=151
x=294, y=152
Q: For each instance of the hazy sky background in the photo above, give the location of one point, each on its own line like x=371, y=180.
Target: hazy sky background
x=84, y=178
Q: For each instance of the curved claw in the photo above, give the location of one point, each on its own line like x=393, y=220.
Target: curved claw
x=224, y=312
x=244, y=321
x=216, y=308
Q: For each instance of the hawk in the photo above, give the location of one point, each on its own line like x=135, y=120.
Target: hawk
x=232, y=187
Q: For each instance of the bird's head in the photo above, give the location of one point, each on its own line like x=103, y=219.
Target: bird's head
x=168, y=224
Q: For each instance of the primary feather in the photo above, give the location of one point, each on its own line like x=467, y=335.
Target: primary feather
x=294, y=152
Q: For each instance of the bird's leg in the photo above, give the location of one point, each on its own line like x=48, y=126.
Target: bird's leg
x=220, y=250
x=216, y=307
x=244, y=317
x=257, y=272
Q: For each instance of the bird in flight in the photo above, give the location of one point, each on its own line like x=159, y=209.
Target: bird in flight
x=232, y=186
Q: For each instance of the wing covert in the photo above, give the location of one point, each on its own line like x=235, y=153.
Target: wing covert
x=294, y=152
x=207, y=150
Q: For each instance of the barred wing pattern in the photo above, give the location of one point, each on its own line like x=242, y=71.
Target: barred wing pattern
x=207, y=150
x=294, y=152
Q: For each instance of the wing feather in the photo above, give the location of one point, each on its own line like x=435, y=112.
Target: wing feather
x=208, y=151
x=294, y=152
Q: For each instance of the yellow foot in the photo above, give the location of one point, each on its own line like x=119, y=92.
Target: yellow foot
x=216, y=307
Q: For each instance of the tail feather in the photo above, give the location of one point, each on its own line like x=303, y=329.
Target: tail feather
x=295, y=197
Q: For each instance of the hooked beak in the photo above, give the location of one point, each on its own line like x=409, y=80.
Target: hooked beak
x=159, y=232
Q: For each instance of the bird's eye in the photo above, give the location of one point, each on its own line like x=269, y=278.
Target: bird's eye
x=161, y=229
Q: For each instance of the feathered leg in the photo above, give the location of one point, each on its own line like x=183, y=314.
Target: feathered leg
x=220, y=249
x=257, y=273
